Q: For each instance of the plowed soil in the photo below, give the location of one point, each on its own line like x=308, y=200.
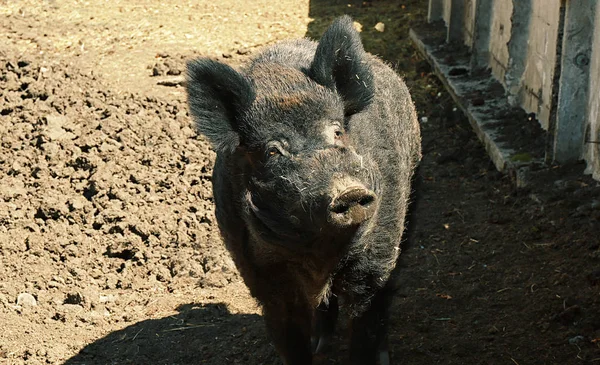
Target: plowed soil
x=109, y=249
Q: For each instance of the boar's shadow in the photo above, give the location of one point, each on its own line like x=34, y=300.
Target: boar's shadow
x=198, y=334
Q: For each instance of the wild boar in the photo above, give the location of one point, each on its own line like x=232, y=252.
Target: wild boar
x=317, y=145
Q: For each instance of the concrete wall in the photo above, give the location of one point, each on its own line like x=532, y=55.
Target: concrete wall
x=592, y=129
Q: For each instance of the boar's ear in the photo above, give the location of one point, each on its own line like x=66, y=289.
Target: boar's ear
x=340, y=63
x=218, y=95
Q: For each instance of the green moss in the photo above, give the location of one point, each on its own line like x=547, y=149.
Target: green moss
x=521, y=157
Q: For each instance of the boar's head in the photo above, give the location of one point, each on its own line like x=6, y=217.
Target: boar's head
x=286, y=124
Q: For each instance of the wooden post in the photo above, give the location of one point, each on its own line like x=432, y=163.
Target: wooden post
x=592, y=129
x=573, y=85
x=517, y=49
x=436, y=10
x=480, y=53
x=456, y=22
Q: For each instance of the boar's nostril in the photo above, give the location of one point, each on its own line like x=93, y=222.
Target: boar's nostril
x=352, y=207
x=339, y=207
x=366, y=200
x=346, y=201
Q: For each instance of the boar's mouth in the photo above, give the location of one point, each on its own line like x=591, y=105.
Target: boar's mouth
x=271, y=226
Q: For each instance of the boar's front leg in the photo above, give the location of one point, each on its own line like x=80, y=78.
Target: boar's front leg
x=325, y=319
x=289, y=327
x=368, y=339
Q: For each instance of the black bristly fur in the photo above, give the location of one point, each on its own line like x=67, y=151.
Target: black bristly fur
x=286, y=109
x=221, y=94
x=339, y=64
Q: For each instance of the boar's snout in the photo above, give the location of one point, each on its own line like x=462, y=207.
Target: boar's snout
x=351, y=207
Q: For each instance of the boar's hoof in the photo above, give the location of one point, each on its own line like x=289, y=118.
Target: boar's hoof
x=352, y=207
x=320, y=344
x=384, y=357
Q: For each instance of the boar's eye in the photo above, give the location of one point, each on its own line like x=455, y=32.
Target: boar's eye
x=273, y=149
x=338, y=135
x=334, y=133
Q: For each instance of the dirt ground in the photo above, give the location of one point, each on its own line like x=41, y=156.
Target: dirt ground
x=109, y=251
